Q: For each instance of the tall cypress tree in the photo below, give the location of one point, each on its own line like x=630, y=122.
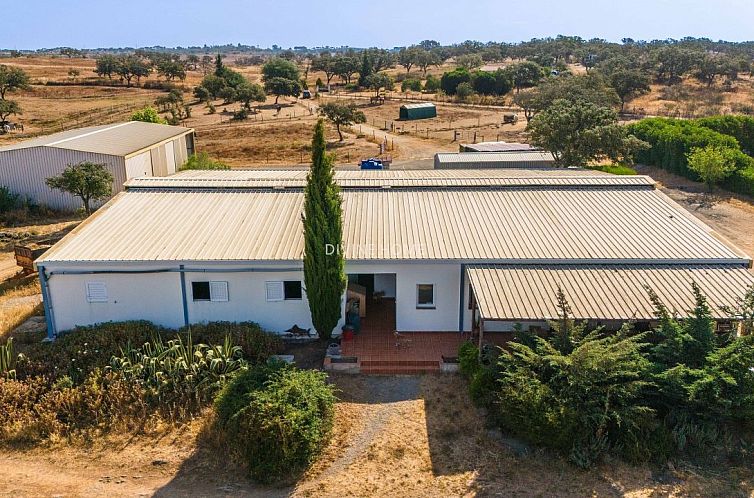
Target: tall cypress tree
x=324, y=274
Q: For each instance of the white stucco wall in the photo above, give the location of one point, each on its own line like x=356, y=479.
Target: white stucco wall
x=247, y=301
x=444, y=276
x=153, y=297
x=157, y=296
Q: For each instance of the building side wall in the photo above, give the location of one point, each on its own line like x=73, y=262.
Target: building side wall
x=138, y=166
x=446, y=280
x=159, y=161
x=24, y=172
x=152, y=297
x=180, y=151
x=157, y=297
x=247, y=301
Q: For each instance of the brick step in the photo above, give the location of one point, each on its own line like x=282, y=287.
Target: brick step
x=400, y=363
x=400, y=370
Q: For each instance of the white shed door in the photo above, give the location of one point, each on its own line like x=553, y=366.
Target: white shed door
x=140, y=165
x=170, y=157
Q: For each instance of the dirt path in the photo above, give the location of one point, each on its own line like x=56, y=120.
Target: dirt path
x=394, y=436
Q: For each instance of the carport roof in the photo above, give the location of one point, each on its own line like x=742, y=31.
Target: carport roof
x=602, y=292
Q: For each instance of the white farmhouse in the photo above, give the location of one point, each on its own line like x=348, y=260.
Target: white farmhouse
x=449, y=249
x=128, y=150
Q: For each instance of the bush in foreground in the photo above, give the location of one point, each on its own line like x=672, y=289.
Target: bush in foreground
x=276, y=419
x=120, y=376
x=678, y=390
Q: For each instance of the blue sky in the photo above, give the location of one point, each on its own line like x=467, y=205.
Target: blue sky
x=386, y=23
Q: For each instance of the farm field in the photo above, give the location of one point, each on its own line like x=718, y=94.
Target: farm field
x=273, y=137
x=393, y=436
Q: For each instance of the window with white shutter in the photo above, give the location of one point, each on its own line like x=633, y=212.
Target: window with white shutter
x=96, y=292
x=218, y=291
x=275, y=291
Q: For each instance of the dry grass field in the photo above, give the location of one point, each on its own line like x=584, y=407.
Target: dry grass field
x=272, y=138
x=394, y=436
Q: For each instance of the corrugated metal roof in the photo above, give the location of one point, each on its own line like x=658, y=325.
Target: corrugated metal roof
x=497, y=157
x=393, y=178
x=586, y=225
x=497, y=147
x=604, y=292
x=419, y=105
x=120, y=139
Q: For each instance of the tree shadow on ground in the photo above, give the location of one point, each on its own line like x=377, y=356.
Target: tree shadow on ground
x=209, y=471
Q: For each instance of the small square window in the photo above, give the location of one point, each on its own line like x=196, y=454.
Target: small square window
x=425, y=296
x=215, y=291
x=200, y=291
x=292, y=289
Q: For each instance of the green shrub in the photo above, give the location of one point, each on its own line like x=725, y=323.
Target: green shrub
x=179, y=376
x=468, y=358
x=615, y=169
x=257, y=344
x=432, y=84
x=203, y=161
x=449, y=81
x=8, y=200
x=671, y=140
x=148, y=115
x=79, y=352
x=584, y=402
x=680, y=389
x=411, y=84
x=280, y=428
x=739, y=127
x=237, y=393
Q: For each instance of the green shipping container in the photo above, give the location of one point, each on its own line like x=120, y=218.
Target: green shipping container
x=423, y=110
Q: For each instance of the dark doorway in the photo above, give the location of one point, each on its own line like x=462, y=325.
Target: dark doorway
x=366, y=280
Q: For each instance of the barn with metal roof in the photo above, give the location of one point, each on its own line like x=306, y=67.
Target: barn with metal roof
x=451, y=249
x=128, y=150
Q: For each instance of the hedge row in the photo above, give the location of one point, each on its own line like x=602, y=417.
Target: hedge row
x=672, y=139
x=739, y=127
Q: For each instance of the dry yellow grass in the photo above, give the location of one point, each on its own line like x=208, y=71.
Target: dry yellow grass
x=19, y=299
x=404, y=436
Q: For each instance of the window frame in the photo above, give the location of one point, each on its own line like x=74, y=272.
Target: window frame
x=300, y=290
x=212, y=296
x=426, y=306
x=282, y=288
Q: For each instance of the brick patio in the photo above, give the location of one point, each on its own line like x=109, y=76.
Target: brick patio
x=416, y=352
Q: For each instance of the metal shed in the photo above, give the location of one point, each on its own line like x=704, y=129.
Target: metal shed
x=423, y=110
x=489, y=160
x=129, y=150
x=496, y=147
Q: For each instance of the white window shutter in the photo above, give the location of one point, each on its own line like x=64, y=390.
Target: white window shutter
x=96, y=292
x=218, y=291
x=275, y=291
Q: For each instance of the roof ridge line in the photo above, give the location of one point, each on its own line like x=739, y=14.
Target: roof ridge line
x=107, y=128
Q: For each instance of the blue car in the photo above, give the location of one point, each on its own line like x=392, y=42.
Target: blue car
x=372, y=164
